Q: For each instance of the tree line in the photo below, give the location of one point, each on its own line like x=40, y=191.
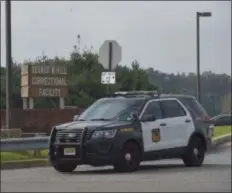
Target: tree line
x=84, y=79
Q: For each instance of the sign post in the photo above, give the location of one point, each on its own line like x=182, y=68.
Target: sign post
x=110, y=54
x=110, y=62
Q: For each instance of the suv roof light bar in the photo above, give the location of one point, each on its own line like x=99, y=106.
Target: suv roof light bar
x=137, y=93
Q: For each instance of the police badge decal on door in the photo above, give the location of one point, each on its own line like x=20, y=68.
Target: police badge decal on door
x=156, y=135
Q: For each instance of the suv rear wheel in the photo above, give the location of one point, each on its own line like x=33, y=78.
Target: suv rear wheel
x=195, y=153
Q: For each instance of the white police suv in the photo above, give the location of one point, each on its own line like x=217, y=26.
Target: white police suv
x=127, y=128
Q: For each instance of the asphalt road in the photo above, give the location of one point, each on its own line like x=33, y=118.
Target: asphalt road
x=168, y=175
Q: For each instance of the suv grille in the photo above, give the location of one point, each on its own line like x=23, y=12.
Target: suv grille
x=69, y=136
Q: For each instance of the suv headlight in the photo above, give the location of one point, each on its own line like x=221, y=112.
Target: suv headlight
x=104, y=133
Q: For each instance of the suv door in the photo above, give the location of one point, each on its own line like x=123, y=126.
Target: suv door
x=152, y=128
x=179, y=124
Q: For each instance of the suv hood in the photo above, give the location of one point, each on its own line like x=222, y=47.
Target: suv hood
x=92, y=124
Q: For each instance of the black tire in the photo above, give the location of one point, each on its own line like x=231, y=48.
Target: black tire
x=195, y=154
x=125, y=165
x=66, y=167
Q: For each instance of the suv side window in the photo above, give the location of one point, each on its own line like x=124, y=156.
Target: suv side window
x=153, y=108
x=171, y=108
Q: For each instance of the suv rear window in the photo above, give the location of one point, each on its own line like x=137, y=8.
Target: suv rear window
x=194, y=107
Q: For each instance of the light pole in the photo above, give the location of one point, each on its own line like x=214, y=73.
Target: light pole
x=199, y=14
x=8, y=63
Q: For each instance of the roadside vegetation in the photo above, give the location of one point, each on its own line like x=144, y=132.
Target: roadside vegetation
x=222, y=130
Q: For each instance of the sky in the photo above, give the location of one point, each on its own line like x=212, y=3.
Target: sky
x=161, y=35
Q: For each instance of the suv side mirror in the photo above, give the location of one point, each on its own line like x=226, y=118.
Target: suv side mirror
x=134, y=115
x=148, y=118
x=75, y=117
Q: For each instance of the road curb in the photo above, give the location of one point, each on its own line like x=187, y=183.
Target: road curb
x=24, y=164
x=222, y=139
x=216, y=142
x=45, y=163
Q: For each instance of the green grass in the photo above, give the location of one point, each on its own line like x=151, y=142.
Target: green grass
x=20, y=156
x=29, y=155
x=222, y=130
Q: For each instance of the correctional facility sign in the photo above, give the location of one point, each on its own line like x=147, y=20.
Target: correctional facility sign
x=44, y=81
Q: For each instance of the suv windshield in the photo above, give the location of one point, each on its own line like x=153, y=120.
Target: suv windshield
x=112, y=109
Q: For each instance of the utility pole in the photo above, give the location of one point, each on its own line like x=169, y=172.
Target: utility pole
x=8, y=63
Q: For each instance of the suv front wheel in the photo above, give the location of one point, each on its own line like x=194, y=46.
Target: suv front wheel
x=195, y=153
x=129, y=158
x=66, y=167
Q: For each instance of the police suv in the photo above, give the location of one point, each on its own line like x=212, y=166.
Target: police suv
x=130, y=127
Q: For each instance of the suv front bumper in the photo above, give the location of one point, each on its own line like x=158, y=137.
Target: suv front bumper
x=97, y=152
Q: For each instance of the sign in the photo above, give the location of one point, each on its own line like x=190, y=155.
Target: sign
x=49, y=70
x=44, y=70
x=44, y=81
x=36, y=92
x=108, y=78
x=110, y=52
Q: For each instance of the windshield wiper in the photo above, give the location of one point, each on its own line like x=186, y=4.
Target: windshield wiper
x=100, y=119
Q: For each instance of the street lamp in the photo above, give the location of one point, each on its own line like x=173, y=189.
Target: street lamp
x=8, y=63
x=199, y=14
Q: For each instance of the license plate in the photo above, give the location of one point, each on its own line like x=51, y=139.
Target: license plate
x=69, y=151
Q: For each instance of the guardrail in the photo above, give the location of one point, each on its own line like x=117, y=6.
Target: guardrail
x=33, y=135
x=21, y=144
x=38, y=143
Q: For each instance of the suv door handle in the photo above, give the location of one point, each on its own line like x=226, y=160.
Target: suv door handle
x=187, y=121
x=162, y=124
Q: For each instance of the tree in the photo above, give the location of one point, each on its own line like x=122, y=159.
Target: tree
x=85, y=85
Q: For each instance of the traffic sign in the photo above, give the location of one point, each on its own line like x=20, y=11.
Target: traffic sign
x=110, y=54
x=108, y=78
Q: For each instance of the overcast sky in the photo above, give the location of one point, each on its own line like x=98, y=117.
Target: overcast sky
x=161, y=35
